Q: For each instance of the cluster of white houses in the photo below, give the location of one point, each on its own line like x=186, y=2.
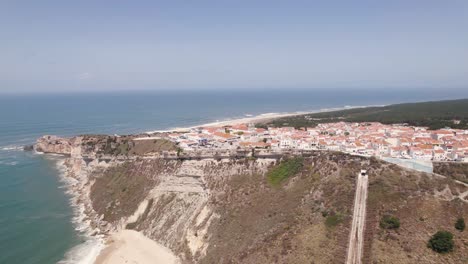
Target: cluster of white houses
x=368, y=139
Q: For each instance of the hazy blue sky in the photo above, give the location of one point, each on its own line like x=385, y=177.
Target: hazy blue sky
x=123, y=45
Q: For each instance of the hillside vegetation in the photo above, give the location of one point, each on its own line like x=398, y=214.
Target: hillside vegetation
x=434, y=115
x=454, y=170
x=304, y=217
x=124, y=145
x=284, y=170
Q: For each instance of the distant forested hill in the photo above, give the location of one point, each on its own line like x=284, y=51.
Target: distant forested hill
x=434, y=115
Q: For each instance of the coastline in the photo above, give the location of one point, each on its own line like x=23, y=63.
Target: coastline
x=258, y=118
x=75, y=188
x=20, y=131
x=99, y=246
x=234, y=121
x=101, y=243
x=129, y=246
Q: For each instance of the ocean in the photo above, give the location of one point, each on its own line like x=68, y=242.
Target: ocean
x=38, y=224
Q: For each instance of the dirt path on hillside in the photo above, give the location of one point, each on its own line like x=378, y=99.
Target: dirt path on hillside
x=356, y=238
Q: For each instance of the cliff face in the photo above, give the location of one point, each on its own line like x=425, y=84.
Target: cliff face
x=53, y=144
x=228, y=211
x=103, y=146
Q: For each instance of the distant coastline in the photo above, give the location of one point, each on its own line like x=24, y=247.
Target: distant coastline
x=258, y=118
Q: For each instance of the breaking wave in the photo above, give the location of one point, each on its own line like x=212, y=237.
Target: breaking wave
x=87, y=251
x=8, y=163
x=11, y=148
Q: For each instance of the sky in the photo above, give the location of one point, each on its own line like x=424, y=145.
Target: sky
x=48, y=46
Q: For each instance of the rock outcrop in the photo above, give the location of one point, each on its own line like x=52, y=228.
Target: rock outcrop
x=53, y=144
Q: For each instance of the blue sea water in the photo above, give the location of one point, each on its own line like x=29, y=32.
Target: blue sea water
x=35, y=212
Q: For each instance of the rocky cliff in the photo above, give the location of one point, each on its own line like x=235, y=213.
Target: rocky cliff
x=54, y=144
x=230, y=211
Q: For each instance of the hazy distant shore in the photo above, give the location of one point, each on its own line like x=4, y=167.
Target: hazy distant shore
x=259, y=118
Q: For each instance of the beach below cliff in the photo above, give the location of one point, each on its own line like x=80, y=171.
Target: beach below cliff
x=128, y=246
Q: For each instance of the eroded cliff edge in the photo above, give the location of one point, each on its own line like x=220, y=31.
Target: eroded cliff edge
x=216, y=210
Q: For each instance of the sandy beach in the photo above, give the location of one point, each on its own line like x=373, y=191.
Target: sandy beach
x=256, y=119
x=128, y=246
x=230, y=122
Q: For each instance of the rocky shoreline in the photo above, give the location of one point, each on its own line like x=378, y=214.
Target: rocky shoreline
x=228, y=210
x=80, y=191
x=76, y=174
x=81, y=165
x=104, y=242
x=86, y=221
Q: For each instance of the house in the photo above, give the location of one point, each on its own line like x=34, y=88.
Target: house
x=393, y=141
x=419, y=153
x=224, y=137
x=439, y=154
x=250, y=145
x=438, y=134
x=308, y=145
x=287, y=143
x=397, y=152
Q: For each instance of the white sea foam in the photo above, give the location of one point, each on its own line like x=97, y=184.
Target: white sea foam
x=8, y=163
x=84, y=253
x=11, y=148
x=88, y=251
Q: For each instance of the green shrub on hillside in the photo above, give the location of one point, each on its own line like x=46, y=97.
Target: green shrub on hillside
x=441, y=242
x=284, y=170
x=389, y=222
x=333, y=220
x=179, y=151
x=460, y=224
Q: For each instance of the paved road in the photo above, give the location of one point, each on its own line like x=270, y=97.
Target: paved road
x=356, y=238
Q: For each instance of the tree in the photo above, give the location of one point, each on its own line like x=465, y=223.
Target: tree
x=460, y=224
x=389, y=222
x=441, y=242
